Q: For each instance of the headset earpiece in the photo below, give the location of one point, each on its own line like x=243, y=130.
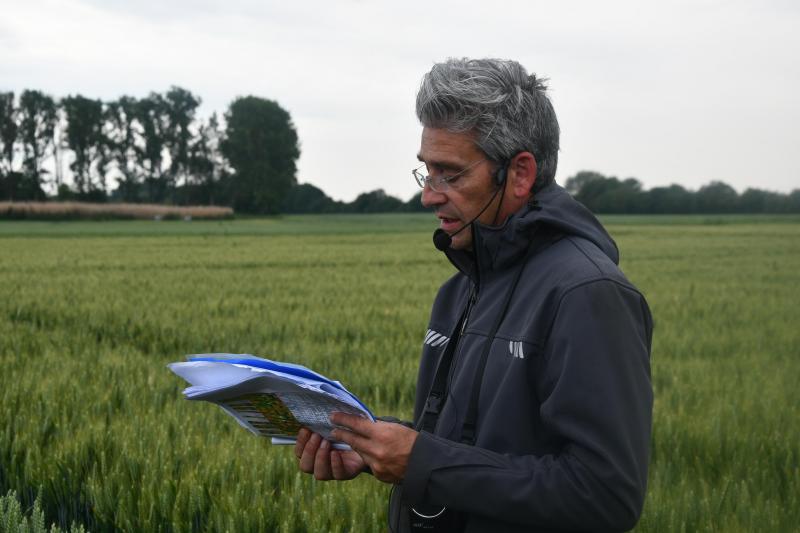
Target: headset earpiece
x=502, y=172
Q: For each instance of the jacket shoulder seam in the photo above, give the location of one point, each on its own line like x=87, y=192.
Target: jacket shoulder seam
x=571, y=240
x=577, y=285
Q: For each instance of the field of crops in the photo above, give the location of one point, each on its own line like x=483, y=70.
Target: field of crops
x=93, y=422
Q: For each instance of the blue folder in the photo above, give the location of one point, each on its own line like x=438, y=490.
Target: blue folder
x=286, y=368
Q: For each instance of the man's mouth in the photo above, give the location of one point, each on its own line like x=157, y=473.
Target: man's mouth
x=449, y=224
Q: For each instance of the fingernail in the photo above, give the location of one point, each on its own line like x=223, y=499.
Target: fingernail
x=325, y=444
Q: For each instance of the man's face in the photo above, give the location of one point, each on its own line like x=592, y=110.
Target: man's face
x=446, y=153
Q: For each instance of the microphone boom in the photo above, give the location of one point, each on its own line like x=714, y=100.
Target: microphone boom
x=442, y=240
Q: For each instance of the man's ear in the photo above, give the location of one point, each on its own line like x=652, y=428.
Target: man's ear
x=522, y=174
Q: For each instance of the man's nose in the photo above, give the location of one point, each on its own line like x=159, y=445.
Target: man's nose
x=431, y=198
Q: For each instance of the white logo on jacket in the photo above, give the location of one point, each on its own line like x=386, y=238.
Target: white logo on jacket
x=435, y=339
x=515, y=349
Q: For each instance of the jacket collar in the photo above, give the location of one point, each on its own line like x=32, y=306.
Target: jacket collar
x=551, y=213
x=496, y=247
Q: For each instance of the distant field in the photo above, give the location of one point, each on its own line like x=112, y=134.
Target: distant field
x=110, y=210
x=91, y=312
x=242, y=226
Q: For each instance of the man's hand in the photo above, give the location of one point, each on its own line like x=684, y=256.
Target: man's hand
x=317, y=457
x=384, y=446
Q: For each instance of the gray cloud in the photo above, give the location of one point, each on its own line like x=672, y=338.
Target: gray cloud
x=679, y=91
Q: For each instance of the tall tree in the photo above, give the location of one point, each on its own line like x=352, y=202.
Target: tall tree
x=205, y=166
x=261, y=146
x=180, y=106
x=86, y=139
x=8, y=132
x=120, y=136
x=154, y=126
x=8, y=141
x=38, y=118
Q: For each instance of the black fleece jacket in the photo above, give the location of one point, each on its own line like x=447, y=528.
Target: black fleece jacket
x=564, y=418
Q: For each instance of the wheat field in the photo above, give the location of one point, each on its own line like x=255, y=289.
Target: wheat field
x=94, y=429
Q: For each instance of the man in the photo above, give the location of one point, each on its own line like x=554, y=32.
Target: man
x=533, y=407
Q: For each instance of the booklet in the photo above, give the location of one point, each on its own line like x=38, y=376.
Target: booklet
x=269, y=398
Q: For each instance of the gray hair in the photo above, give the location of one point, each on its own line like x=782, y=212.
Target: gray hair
x=496, y=100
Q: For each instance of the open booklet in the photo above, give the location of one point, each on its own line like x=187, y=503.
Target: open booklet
x=269, y=398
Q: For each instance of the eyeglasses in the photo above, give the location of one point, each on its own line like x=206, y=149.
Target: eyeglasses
x=440, y=183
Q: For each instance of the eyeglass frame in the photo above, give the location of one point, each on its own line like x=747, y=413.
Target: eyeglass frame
x=441, y=183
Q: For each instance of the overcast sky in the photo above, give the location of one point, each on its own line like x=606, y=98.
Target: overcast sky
x=668, y=92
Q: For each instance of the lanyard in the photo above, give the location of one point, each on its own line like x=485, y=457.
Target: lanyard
x=438, y=392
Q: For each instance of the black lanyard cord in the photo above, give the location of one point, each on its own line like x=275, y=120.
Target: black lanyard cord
x=437, y=393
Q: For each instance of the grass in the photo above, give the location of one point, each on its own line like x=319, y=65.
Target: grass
x=93, y=422
x=305, y=225
x=15, y=519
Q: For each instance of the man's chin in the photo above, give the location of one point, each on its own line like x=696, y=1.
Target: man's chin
x=462, y=241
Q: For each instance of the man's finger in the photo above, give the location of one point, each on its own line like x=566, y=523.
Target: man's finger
x=359, y=444
x=322, y=461
x=302, y=439
x=309, y=454
x=356, y=424
x=337, y=465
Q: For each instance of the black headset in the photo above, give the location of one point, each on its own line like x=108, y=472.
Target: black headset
x=502, y=172
x=442, y=240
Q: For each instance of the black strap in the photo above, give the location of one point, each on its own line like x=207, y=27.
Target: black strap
x=438, y=392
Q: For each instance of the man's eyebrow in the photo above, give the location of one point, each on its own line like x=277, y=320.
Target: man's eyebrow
x=442, y=164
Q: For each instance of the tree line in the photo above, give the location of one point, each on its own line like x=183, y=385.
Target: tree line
x=599, y=193
x=152, y=149
x=156, y=150
x=603, y=194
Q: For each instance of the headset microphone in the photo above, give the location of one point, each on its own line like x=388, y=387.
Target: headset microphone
x=441, y=240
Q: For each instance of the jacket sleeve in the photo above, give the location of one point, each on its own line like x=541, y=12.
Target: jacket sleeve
x=595, y=395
